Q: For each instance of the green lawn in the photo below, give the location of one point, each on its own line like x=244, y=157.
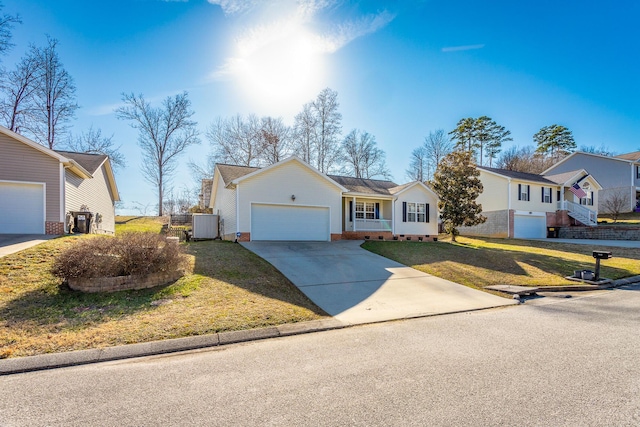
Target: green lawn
x=230, y=289
x=479, y=262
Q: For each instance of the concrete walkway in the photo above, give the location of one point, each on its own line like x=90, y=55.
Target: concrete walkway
x=356, y=286
x=12, y=243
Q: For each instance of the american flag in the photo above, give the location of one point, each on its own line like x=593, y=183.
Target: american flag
x=579, y=192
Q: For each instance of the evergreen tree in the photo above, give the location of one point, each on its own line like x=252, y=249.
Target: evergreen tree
x=457, y=184
x=554, y=140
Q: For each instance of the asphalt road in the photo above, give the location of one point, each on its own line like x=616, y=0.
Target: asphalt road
x=552, y=361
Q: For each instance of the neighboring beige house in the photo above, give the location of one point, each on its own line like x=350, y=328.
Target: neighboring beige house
x=291, y=200
x=617, y=174
x=39, y=187
x=523, y=205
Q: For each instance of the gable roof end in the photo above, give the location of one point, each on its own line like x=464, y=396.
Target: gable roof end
x=285, y=161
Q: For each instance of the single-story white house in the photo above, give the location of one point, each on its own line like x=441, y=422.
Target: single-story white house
x=39, y=187
x=524, y=205
x=291, y=200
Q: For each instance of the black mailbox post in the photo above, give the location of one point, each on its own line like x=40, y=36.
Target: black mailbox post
x=598, y=255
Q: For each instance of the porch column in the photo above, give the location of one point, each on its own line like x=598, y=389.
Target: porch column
x=353, y=212
x=393, y=215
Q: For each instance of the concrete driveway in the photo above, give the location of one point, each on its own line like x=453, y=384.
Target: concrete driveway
x=12, y=243
x=356, y=286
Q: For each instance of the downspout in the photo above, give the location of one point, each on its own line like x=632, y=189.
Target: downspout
x=237, y=211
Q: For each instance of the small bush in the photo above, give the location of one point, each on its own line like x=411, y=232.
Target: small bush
x=128, y=254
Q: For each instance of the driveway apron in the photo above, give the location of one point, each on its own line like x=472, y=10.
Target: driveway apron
x=12, y=243
x=357, y=286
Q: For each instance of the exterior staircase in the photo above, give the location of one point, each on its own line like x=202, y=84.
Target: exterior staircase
x=579, y=213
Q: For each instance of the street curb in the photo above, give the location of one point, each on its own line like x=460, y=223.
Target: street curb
x=577, y=288
x=84, y=357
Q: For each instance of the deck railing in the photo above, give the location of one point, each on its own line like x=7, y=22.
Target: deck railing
x=373, y=225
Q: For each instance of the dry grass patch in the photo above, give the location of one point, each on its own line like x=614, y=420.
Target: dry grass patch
x=477, y=262
x=230, y=289
x=128, y=224
x=624, y=219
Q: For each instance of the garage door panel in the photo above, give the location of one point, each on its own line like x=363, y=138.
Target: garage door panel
x=284, y=222
x=529, y=227
x=21, y=208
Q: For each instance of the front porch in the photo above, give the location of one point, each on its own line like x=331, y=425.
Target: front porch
x=367, y=215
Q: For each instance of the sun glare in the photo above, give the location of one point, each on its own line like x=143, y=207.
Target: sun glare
x=283, y=74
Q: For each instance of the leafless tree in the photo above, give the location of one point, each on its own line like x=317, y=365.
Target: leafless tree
x=163, y=134
x=417, y=170
x=274, y=139
x=615, y=203
x=17, y=106
x=524, y=159
x=54, y=96
x=7, y=23
x=236, y=140
x=436, y=145
x=328, y=129
x=93, y=142
x=362, y=158
x=178, y=202
x=303, y=134
x=602, y=150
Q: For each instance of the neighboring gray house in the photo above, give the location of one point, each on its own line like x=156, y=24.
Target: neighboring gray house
x=617, y=175
x=39, y=187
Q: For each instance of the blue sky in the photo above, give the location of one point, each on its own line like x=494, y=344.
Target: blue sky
x=401, y=69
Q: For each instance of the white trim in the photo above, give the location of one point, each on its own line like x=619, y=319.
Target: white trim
x=238, y=212
x=509, y=231
x=530, y=181
x=369, y=196
x=282, y=162
x=580, y=174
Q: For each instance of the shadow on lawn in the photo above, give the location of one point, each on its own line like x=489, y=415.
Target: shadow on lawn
x=56, y=303
x=501, y=260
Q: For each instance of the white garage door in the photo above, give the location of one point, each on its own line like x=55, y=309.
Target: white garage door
x=278, y=222
x=529, y=227
x=21, y=208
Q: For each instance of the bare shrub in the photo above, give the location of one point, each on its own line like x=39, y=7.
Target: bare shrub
x=128, y=254
x=616, y=203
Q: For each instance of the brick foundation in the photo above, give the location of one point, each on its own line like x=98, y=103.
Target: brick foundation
x=51, y=227
x=360, y=235
x=245, y=237
x=335, y=237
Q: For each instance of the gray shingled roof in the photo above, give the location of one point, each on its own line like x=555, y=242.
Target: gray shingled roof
x=231, y=172
x=635, y=156
x=90, y=162
x=561, y=178
x=519, y=175
x=365, y=186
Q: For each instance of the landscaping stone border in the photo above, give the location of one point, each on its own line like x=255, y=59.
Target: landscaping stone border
x=123, y=283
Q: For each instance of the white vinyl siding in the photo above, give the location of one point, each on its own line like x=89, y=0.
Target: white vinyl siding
x=417, y=195
x=94, y=193
x=224, y=205
x=287, y=222
x=22, y=208
x=276, y=186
